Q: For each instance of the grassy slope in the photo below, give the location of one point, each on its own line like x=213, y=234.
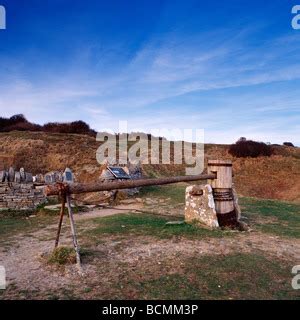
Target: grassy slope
x=277, y=177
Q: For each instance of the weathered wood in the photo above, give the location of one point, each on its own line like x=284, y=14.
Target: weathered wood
x=61, y=216
x=222, y=191
x=73, y=230
x=76, y=188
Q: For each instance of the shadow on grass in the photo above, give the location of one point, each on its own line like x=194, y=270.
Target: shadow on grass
x=148, y=225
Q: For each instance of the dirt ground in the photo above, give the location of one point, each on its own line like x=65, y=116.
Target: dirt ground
x=113, y=258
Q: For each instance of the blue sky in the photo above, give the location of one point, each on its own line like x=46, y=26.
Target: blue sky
x=229, y=67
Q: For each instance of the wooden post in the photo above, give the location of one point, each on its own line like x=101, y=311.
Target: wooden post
x=61, y=216
x=73, y=230
x=222, y=191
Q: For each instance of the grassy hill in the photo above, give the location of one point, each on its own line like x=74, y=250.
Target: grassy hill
x=275, y=177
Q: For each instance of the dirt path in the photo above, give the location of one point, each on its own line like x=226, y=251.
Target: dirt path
x=26, y=270
x=98, y=213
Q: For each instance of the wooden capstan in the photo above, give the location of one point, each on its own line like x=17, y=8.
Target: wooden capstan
x=222, y=191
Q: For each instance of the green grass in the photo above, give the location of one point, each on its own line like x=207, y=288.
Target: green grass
x=270, y=216
x=10, y=226
x=175, y=192
x=236, y=276
x=147, y=225
x=275, y=217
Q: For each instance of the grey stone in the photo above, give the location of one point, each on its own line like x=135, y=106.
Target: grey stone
x=11, y=174
x=22, y=175
x=17, y=177
x=68, y=176
x=2, y=176
x=28, y=177
x=48, y=178
x=200, y=206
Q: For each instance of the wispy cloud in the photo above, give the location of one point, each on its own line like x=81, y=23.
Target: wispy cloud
x=152, y=88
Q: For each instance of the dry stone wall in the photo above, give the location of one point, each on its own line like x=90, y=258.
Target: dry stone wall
x=20, y=196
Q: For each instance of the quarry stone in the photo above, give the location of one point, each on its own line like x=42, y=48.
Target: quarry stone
x=68, y=176
x=2, y=176
x=17, y=177
x=20, y=196
x=200, y=206
x=11, y=174
x=22, y=174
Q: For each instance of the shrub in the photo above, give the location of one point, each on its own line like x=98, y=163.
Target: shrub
x=288, y=144
x=249, y=148
x=20, y=123
x=62, y=255
x=78, y=127
x=23, y=126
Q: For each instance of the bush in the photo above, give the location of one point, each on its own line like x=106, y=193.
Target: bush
x=23, y=126
x=288, y=144
x=78, y=127
x=20, y=123
x=249, y=148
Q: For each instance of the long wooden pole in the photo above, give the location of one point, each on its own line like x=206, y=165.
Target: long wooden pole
x=76, y=188
x=73, y=230
x=61, y=216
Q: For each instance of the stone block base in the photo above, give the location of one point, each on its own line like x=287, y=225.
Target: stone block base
x=200, y=206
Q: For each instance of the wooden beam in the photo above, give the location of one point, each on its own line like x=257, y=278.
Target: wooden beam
x=61, y=216
x=76, y=188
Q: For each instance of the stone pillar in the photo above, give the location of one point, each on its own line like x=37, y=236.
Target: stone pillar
x=200, y=206
x=222, y=192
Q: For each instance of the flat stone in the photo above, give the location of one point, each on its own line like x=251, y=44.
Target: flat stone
x=11, y=174
x=175, y=222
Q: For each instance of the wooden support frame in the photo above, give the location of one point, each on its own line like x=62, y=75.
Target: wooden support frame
x=219, y=176
x=61, y=217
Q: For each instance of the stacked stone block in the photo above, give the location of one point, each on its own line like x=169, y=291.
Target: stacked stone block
x=20, y=196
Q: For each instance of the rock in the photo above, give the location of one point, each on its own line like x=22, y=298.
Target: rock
x=28, y=177
x=200, y=206
x=17, y=177
x=22, y=175
x=11, y=174
x=68, y=176
x=53, y=207
x=242, y=226
x=2, y=176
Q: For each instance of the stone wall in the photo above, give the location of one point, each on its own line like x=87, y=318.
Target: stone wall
x=20, y=196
